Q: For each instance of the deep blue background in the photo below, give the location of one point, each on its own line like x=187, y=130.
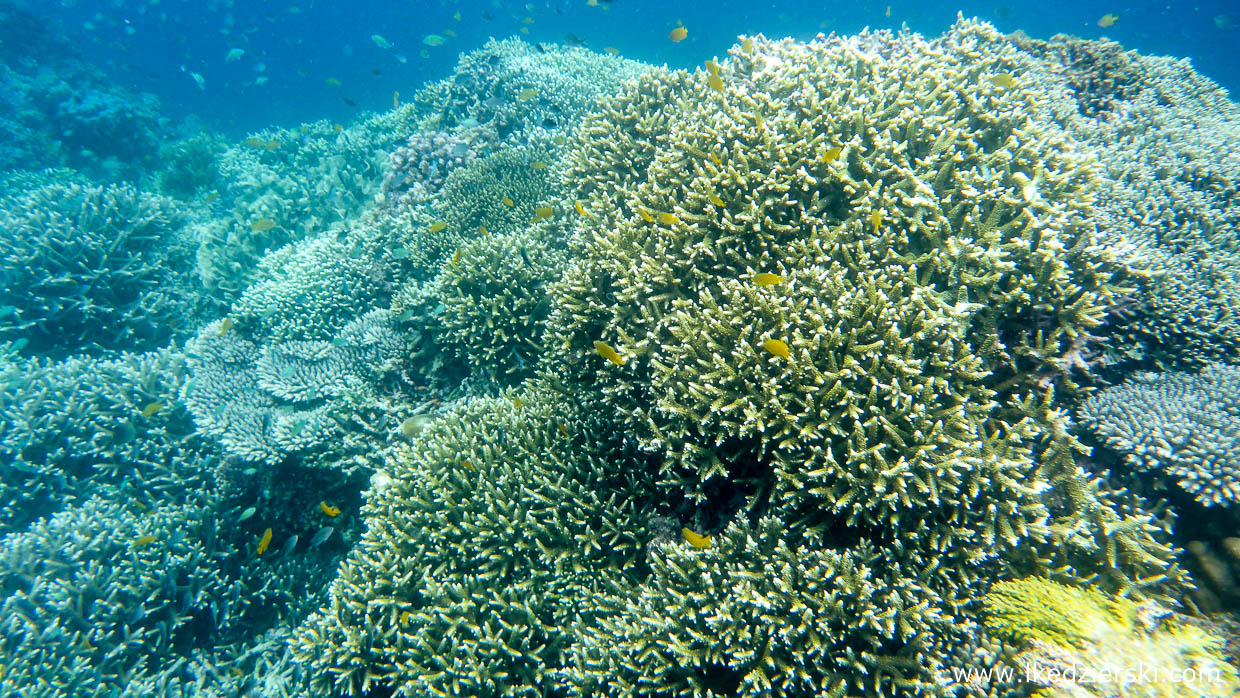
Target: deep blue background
x=143, y=44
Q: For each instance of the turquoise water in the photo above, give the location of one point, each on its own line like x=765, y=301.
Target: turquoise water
x=611, y=348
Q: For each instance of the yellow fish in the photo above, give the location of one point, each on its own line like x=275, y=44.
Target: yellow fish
x=678, y=34
x=767, y=279
x=517, y=402
x=711, y=67
x=563, y=431
x=329, y=509
x=611, y=50
x=253, y=142
x=151, y=409
x=483, y=229
x=456, y=257
x=508, y=202
x=262, y=225
x=1108, y=19
x=645, y=215
x=469, y=466
x=337, y=128
x=225, y=326
x=332, y=82
x=437, y=226
x=747, y=45
x=544, y=212
x=263, y=543
x=581, y=210
x=668, y=219
x=694, y=539
x=395, y=99
x=1003, y=80
x=831, y=154
x=714, y=199
x=539, y=165
x=456, y=15
x=876, y=219
x=527, y=94
x=142, y=541
x=776, y=347
x=715, y=82
x=716, y=159
x=604, y=350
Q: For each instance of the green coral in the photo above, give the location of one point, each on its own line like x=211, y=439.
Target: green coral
x=488, y=540
x=1099, y=645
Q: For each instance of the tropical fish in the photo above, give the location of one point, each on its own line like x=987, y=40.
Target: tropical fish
x=678, y=34
x=246, y=514
x=1003, y=80
x=581, y=210
x=508, y=202
x=329, y=509
x=395, y=99
x=767, y=279
x=604, y=350
x=611, y=50
x=234, y=55
x=776, y=347
x=225, y=326
x=747, y=45
x=483, y=229
x=456, y=257
x=412, y=425
x=694, y=539
x=645, y=215
x=539, y=165
x=211, y=198
x=262, y=225
x=544, y=212
x=831, y=154
x=517, y=402
x=437, y=226
x=320, y=537
x=469, y=466
x=714, y=199
x=263, y=542
x=332, y=82
x=253, y=142
x=288, y=547
x=143, y=541
x=433, y=40
x=1108, y=19
x=380, y=41
x=152, y=408
x=715, y=82
x=711, y=67
x=563, y=431
x=668, y=219
x=527, y=94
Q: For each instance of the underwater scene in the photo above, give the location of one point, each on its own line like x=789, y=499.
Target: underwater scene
x=585, y=348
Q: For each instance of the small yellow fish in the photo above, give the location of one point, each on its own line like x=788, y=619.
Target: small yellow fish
x=253, y=142
x=527, y=94
x=581, y=210
x=544, y=212
x=329, y=509
x=527, y=20
x=715, y=82
x=449, y=33
x=776, y=347
x=456, y=15
x=563, y=431
x=767, y=279
x=1108, y=19
x=411, y=426
x=694, y=539
x=747, y=45
x=517, y=402
x=143, y=541
x=469, y=466
x=668, y=219
x=1003, y=80
x=225, y=326
x=272, y=145
x=876, y=219
x=714, y=199
x=539, y=165
x=263, y=542
x=559, y=140
x=759, y=121
x=831, y=154
x=711, y=67
x=406, y=615
x=611, y=50
x=888, y=12
x=262, y=225
x=508, y=202
x=433, y=40
x=332, y=82
x=645, y=215
x=678, y=34
x=395, y=99
x=437, y=226
x=337, y=128
x=152, y=408
x=604, y=350
x=483, y=229
x=456, y=257
x=716, y=159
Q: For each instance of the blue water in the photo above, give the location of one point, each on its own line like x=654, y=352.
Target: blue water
x=299, y=45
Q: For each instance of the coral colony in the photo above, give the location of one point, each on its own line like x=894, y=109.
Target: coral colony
x=849, y=367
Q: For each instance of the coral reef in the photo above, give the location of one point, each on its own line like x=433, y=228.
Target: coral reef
x=512, y=86
x=189, y=166
x=91, y=268
x=1099, y=72
x=1185, y=425
x=1082, y=643
x=488, y=540
x=321, y=400
x=417, y=170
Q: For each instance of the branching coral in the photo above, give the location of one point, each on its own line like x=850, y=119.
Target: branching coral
x=1185, y=425
x=87, y=268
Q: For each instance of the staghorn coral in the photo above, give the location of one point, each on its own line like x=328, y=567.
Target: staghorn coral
x=1082, y=643
x=492, y=86
x=417, y=170
x=1185, y=425
x=322, y=401
x=90, y=268
x=1098, y=71
x=487, y=541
